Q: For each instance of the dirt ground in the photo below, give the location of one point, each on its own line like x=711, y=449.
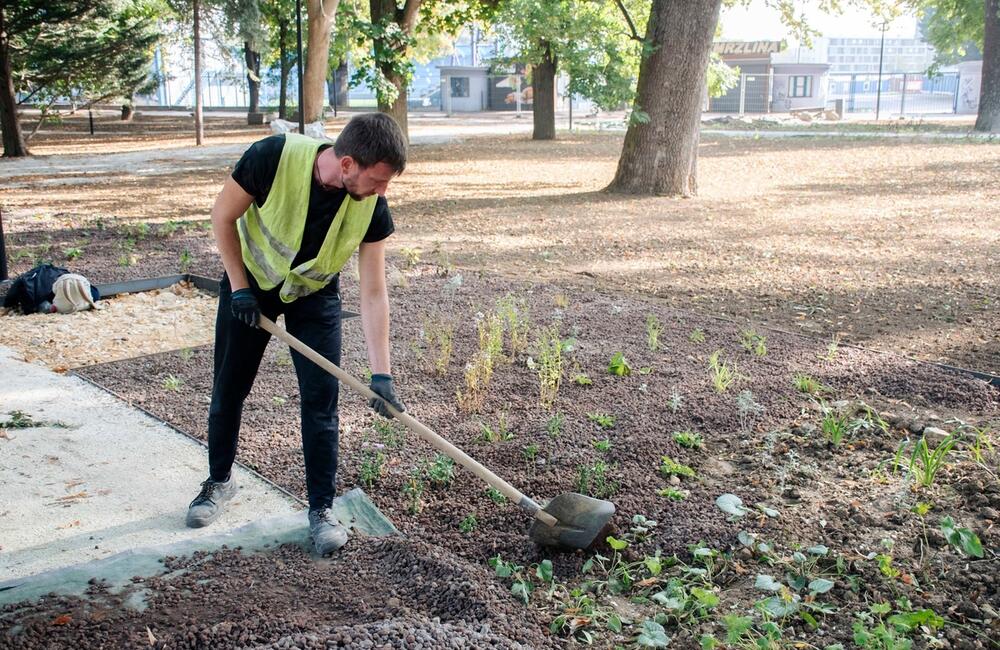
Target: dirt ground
x=886, y=242
x=767, y=447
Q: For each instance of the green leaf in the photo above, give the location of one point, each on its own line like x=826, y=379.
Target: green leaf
x=820, y=586
x=619, y=365
x=770, y=512
x=652, y=635
x=880, y=608
x=588, y=566
x=522, y=590
x=708, y=642
x=705, y=597
x=736, y=627
x=767, y=583
x=731, y=505
x=653, y=564
x=819, y=549
x=809, y=619
x=617, y=544
x=910, y=621
x=778, y=608
x=544, y=571
x=669, y=601
x=615, y=623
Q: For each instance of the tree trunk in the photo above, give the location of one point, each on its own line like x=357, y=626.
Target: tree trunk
x=284, y=66
x=199, y=127
x=13, y=138
x=253, y=76
x=336, y=86
x=543, y=97
x=988, y=118
x=128, y=112
x=321, y=17
x=397, y=109
x=660, y=152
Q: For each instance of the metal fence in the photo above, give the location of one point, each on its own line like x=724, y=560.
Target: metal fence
x=897, y=93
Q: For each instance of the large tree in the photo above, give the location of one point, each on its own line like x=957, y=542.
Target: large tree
x=951, y=26
x=244, y=19
x=86, y=50
x=660, y=153
x=393, y=33
x=278, y=16
x=322, y=14
x=587, y=40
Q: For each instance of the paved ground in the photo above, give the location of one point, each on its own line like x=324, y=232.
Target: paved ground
x=98, y=477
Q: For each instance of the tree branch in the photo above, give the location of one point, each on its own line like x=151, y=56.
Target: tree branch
x=628, y=19
x=409, y=16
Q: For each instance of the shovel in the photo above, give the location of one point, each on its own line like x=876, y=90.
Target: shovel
x=570, y=520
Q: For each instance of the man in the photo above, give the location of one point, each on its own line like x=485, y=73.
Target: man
x=291, y=215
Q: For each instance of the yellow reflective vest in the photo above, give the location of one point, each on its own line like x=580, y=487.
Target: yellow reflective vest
x=271, y=235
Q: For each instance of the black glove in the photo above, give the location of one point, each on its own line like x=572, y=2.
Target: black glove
x=382, y=386
x=245, y=307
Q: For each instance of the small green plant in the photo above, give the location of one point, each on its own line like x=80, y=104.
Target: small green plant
x=963, y=539
x=278, y=400
x=170, y=382
x=388, y=433
x=372, y=466
x=441, y=472
x=438, y=334
x=603, y=420
x=514, y=312
x=669, y=467
x=553, y=426
x=73, y=254
x=748, y=410
x=672, y=493
x=675, y=402
x=834, y=426
x=468, y=525
x=688, y=439
x=168, y=228
x=595, y=480
x=723, y=374
x=653, y=330
x=619, y=365
x=831, y=348
x=499, y=434
x=530, y=452
x=495, y=495
x=925, y=463
x=186, y=354
x=753, y=342
x=185, y=260
x=697, y=335
x=549, y=365
x=411, y=256
x=808, y=385
x=602, y=446
x=581, y=379
x=413, y=490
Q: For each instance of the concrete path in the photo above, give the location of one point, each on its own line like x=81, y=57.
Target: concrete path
x=99, y=477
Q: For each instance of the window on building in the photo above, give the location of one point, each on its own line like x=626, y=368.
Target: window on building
x=459, y=86
x=800, y=86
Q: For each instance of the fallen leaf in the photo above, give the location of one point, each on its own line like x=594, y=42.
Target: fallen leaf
x=69, y=525
x=152, y=639
x=62, y=620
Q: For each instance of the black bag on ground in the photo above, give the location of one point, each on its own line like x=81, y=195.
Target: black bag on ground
x=32, y=288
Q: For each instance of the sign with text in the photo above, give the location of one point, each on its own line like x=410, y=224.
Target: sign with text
x=746, y=48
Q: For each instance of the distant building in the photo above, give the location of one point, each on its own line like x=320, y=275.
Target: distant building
x=770, y=79
x=847, y=55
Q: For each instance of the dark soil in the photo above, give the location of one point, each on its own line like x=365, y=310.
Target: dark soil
x=848, y=497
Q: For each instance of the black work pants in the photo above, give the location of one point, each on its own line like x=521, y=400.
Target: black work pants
x=313, y=319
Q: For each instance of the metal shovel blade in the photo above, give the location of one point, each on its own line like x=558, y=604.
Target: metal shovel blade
x=581, y=520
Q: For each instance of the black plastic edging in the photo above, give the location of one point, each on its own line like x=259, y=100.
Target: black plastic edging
x=182, y=432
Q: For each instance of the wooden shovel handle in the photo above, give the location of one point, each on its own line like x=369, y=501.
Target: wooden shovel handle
x=412, y=423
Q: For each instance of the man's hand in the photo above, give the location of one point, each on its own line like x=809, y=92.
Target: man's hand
x=382, y=386
x=245, y=307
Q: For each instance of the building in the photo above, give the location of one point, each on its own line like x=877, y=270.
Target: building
x=771, y=80
x=855, y=55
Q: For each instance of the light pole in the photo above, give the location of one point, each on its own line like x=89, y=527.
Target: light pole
x=881, y=53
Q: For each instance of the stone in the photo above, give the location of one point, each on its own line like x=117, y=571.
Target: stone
x=934, y=436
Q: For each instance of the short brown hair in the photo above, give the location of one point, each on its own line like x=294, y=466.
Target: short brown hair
x=372, y=138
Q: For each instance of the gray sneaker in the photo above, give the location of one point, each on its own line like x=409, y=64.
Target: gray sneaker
x=326, y=532
x=207, y=506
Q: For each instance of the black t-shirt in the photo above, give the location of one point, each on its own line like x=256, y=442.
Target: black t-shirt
x=255, y=173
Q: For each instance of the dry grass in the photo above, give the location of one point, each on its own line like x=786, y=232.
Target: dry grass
x=892, y=243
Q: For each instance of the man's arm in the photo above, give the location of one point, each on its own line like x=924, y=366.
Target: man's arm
x=229, y=206
x=374, y=305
